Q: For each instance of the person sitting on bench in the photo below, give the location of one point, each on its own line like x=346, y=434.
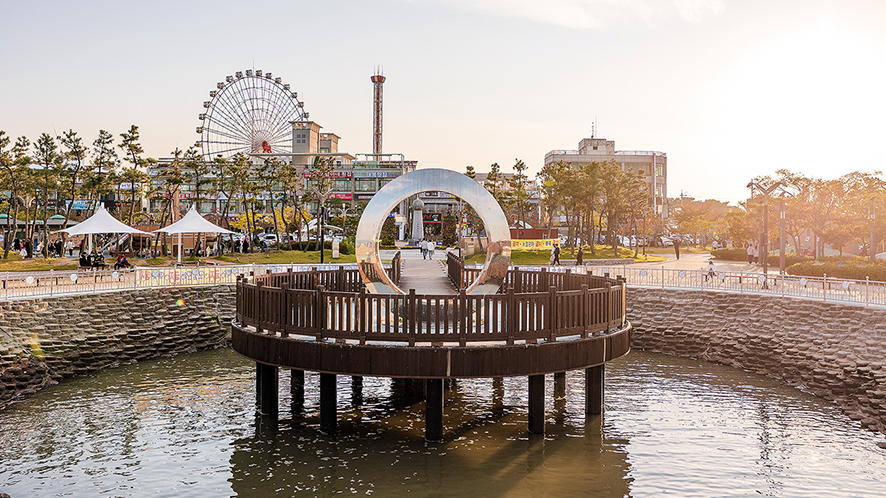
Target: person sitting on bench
x=122, y=262
x=84, y=260
x=98, y=261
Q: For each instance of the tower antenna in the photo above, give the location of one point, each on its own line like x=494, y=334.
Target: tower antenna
x=378, y=80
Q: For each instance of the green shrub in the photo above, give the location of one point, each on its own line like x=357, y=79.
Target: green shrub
x=730, y=254
x=740, y=254
x=346, y=246
x=848, y=268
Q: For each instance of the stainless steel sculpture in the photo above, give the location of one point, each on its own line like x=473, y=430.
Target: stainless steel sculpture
x=498, y=256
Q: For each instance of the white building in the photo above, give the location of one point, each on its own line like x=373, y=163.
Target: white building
x=653, y=164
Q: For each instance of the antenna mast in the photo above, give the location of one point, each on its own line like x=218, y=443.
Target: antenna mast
x=378, y=80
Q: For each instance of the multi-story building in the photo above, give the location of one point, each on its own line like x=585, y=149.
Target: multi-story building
x=653, y=164
x=356, y=177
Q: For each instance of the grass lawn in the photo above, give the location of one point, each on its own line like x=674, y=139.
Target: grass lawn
x=683, y=249
x=283, y=257
x=16, y=263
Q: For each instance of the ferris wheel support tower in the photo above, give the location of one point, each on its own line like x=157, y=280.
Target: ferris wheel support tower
x=378, y=80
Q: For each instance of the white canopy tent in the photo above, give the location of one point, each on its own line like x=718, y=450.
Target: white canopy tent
x=101, y=222
x=191, y=222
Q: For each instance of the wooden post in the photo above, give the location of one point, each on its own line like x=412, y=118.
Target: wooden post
x=594, y=390
x=434, y=410
x=462, y=318
x=537, y=404
x=414, y=318
x=552, y=313
x=287, y=311
x=356, y=390
x=511, y=317
x=297, y=390
x=585, y=310
x=559, y=385
x=362, y=315
x=321, y=311
x=607, y=308
x=498, y=396
x=257, y=308
x=328, y=403
x=268, y=389
x=258, y=372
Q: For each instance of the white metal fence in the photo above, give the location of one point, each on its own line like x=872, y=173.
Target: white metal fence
x=22, y=285
x=865, y=292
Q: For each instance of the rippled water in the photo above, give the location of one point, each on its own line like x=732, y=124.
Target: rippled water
x=185, y=426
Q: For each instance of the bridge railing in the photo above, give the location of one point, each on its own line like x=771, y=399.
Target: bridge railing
x=826, y=289
x=31, y=285
x=292, y=304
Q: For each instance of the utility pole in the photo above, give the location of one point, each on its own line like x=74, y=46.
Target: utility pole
x=873, y=247
x=781, y=255
x=764, y=237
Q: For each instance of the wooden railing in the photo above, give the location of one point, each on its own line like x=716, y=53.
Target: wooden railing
x=394, y=270
x=455, y=267
x=333, y=305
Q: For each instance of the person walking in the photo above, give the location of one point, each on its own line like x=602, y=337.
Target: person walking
x=711, y=271
x=750, y=250
x=556, y=255
x=424, y=248
x=579, y=258
x=677, y=247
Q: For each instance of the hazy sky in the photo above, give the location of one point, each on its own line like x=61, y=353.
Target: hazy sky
x=728, y=89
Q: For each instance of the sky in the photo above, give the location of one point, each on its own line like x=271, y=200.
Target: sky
x=728, y=89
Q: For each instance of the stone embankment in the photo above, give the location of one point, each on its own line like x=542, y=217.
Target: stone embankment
x=45, y=340
x=834, y=351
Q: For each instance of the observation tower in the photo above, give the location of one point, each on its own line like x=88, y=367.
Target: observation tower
x=377, y=80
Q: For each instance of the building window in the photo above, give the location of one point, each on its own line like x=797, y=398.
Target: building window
x=595, y=147
x=342, y=185
x=365, y=185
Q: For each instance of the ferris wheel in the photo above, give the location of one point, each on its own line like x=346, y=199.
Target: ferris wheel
x=249, y=113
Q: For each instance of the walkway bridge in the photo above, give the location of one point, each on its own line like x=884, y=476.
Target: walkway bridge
x=324, y=321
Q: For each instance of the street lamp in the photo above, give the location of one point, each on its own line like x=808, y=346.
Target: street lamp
x=764, y=238
x=321, y=200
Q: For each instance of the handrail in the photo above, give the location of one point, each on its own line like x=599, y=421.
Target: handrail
x=394, y=270
x=862, y=292
x=301, y=303
x=455, y=267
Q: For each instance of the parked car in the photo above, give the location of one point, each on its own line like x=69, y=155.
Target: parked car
x=270, y=238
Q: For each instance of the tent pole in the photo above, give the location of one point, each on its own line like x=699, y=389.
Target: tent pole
x=179, y=247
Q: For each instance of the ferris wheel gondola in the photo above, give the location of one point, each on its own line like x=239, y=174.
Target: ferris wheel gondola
x=248, y=113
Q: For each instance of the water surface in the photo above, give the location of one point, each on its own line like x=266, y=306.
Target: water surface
x=186, y=426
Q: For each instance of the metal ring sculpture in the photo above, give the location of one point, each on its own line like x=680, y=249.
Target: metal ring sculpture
x=498, y=256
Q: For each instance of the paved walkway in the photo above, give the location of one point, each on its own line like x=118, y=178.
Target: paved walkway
x=426, y=276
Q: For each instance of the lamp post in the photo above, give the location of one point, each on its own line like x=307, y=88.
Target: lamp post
x=872, y=247
x=764, y=238
x=781, y=221
x=321, y=200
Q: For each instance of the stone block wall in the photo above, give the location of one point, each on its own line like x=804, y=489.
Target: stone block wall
x=832, y=350
x=45, y=340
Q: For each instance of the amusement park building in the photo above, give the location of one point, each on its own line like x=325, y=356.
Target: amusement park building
x=652, y=163
x=356, y=177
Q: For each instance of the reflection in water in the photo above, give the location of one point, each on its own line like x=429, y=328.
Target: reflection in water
x=380, y=450
x=186, y=426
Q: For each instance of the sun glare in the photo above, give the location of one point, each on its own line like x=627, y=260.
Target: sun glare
x=804, y=103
